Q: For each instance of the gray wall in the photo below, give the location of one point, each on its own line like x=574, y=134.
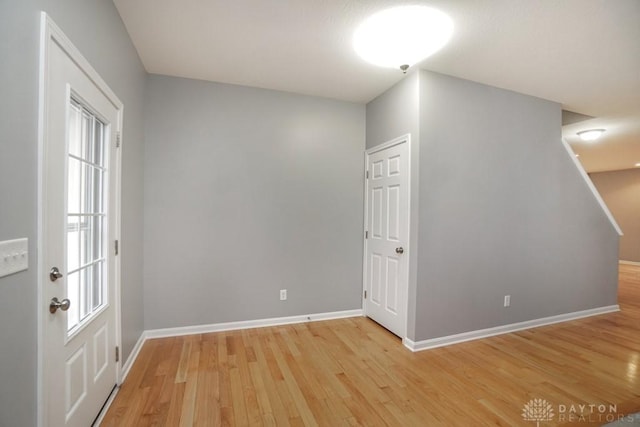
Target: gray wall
x=500, y=208
x=621, y=192
x=392, y=114
x=503, y=210
x=96, y=29
x=248, y=191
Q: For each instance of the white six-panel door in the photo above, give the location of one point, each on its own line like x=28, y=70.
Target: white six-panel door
x=79, y=219
x=387, y=235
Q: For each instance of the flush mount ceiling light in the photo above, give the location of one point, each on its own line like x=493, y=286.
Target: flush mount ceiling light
x=591, y=134
x=402, y=36
x=637, y=165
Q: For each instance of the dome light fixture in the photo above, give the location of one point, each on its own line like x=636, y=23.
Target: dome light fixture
x=400, y=37
x=591, y=134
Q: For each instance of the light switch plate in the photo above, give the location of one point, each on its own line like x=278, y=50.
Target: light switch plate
x=14, y=256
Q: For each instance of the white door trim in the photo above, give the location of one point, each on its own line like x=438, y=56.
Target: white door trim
x=49, y=31
x=396, y=141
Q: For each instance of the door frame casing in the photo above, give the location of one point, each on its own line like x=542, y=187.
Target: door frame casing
x=50, y=32
x=403, y=139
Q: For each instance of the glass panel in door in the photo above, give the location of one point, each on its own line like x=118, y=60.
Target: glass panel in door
x=86, y=216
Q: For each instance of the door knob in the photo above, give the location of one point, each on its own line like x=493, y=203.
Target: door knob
x=54, y=274
x=63, y=305
x=400, y=250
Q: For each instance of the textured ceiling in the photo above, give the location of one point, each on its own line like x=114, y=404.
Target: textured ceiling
x=584, y=54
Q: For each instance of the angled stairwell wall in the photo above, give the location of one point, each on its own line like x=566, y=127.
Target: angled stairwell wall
x=503, y=211
x=498, y=208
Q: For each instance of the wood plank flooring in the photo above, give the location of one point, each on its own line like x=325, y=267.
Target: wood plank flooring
x=353, y=372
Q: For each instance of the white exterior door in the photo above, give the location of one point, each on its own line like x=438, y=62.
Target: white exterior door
x=79, y=219
x=387, y=235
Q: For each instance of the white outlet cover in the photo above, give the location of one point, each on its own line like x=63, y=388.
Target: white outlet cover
x=14, y=256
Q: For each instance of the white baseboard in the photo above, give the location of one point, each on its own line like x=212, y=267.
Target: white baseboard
x=126, y=367
x=229, y=326
x=248, y=324
x=629, y=262
x=505, y=329
x=107, y=405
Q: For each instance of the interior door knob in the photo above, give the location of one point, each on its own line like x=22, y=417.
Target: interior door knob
x=400, y=250
x=54, y=274
x=63, y=305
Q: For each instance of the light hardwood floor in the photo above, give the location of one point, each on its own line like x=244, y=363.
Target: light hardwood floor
x=353, y=372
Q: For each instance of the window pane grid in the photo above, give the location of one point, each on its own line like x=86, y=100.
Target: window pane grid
x=86, y=217
x=80, y=159
x=87, y=265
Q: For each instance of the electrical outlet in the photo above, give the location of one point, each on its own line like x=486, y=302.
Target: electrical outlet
x=283, y=294
x=507, y=300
